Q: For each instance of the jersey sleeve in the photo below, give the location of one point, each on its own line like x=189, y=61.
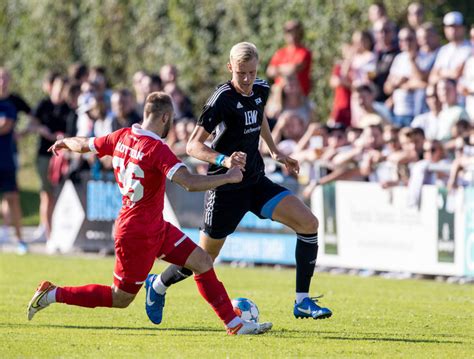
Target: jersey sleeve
x=105, y=145
x=211, y=114
x=264, y=89
x=166, y=161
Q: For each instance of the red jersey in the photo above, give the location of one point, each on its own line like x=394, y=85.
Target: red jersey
x=295, y=55
x=141, y=162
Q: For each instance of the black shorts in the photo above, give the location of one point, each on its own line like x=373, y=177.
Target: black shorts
x=8, y=181
x=223, y=210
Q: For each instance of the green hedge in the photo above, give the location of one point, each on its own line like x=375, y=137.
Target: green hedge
x=195, y=35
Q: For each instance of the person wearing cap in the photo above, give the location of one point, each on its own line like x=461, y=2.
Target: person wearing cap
x=292, y=59
x=453, y=55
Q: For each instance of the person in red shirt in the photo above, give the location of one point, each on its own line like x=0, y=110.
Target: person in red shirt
x=294, y=58
x=142, y=162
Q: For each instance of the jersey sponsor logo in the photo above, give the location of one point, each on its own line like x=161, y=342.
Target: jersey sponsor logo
x=251, y=117
x=239, y=105
x=258, y=101
x=135, y=154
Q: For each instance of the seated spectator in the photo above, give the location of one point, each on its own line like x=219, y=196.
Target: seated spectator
x=293, y=59
x=123, y=112
x=372, y=112
x=429, y=121
x=289, y=98
x=451, y=112
x=422, y=172
x=341, y=84
x=182, y=105
x=460, y=133
x=288, y=131
x=377, y=11
x=386, y=49
x=462, y=169
x=452, y=56
x=179, y=136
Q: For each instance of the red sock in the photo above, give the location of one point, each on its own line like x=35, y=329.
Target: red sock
x=90, y=296
x=215, y=294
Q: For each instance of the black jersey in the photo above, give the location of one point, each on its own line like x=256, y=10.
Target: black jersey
x=235, y=121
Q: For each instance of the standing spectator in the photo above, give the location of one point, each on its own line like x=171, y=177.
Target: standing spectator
x=139, y=93
x=407, y=77
x=466, y=86
x=428, y=121
x=341, y=84
x=385, y=51
x=78, y=73
x=123, y=110
x=453, y=55
x=362, y=68
x=377, y=11
x=8, y=184
x=293, y=59
x=428, y=43
x=451, y=112
x=51, y=114
x=169, y=74
x=415, y=15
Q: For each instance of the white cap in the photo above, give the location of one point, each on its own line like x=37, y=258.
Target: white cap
x=453, y=18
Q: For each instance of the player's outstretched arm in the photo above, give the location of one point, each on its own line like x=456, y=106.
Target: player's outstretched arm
x=74, y=144
x=195, y=183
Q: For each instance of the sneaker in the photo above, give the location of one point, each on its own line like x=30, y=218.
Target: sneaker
x=246, y=328
x=309, y=309
x=154, y=302
x=36, y=304
x=21, y=248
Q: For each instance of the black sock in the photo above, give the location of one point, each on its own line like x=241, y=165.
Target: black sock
x=174, y=274
x=306, y=253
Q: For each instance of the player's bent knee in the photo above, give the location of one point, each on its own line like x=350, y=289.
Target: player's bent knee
x=199, y=261
x=308, y=224
x=121, y=299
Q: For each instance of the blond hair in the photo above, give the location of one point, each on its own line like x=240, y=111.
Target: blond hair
x=243, y=52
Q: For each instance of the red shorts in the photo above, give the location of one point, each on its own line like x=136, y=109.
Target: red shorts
x=135, y=256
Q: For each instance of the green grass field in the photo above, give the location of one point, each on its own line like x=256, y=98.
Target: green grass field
x=372, y=317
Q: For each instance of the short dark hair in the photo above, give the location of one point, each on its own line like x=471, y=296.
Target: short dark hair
x=157, y=104
x=364, y=88
x=77, y=70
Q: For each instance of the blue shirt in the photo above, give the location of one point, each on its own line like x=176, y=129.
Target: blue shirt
x=7, y=162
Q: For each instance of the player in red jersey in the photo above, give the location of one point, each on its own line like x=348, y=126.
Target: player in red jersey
x=142, y=162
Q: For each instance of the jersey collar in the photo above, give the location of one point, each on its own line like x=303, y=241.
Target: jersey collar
x=139, y=131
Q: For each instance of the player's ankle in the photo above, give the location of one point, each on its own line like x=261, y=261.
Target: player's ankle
x=158, y=285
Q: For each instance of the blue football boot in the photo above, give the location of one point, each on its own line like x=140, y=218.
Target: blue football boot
x=309, y=309
x=154, y=302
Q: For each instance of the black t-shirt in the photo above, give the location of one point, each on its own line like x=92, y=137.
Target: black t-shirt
x=235, y=120
x=54, y=118
x=384, y=62
x=20, y=104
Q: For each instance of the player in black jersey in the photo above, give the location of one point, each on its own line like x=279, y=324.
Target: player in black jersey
x=234, y=114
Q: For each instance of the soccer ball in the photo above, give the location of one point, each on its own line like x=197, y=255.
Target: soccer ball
x=245, y=309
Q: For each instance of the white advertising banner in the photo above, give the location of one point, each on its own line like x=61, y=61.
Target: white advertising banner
x=365, y=226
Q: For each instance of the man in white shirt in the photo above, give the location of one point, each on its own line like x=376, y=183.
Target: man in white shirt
x=453, y=55
x=428, y=121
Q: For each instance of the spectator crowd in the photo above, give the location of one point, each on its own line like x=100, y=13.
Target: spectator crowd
x=402, y=113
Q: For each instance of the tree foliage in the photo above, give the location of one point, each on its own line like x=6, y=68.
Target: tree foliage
x=196, y=35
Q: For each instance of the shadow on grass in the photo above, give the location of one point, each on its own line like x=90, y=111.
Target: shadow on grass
x=91, y=327
x=364, y=337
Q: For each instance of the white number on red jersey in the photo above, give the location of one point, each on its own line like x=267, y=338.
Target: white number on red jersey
x=128, y=178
